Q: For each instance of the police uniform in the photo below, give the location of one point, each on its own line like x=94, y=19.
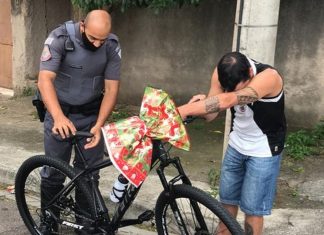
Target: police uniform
x=79, y=83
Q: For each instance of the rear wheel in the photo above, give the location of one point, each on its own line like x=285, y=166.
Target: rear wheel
x=64, y=215
x=196, y=213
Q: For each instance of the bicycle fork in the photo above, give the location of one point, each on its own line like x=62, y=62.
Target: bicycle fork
x=168, y=188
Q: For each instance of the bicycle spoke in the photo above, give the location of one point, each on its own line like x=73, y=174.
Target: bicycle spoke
x=200, y=213
x=60, y=217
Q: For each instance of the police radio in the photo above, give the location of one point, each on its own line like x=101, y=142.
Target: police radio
x=69, y=45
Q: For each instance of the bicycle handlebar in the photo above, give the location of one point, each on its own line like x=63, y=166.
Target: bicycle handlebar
x=190, y=119
x=83, y=134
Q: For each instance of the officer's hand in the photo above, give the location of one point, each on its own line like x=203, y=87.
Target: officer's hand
x=92, y=142
x=197, y=98
x=63, y=126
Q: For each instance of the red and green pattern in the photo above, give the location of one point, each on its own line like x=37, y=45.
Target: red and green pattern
x=129, y=140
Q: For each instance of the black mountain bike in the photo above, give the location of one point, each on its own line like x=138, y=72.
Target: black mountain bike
x=180, y=208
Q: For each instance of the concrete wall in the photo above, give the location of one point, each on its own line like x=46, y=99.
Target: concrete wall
x=176, y=50
x=31, y=22
x=300, y=59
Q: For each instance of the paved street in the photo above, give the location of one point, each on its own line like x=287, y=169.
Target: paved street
x=11, y=223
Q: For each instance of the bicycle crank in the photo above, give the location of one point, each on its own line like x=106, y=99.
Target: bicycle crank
x=146, y=216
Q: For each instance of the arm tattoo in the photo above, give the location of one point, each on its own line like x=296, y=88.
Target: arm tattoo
x=212, y=104
x=246, y=95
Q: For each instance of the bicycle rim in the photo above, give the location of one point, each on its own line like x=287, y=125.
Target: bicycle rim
x=64, y=215
x=186, y=199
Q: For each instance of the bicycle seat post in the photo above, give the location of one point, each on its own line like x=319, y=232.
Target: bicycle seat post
x=76, y=143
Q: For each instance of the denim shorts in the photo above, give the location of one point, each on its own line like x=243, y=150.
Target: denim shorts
x=249, y=182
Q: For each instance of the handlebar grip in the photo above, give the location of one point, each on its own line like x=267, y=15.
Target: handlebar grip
x=83, y=134
x=189, y=119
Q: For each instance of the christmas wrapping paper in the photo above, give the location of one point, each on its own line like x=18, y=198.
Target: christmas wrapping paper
x=129, y=141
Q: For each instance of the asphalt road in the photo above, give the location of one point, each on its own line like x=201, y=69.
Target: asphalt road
x=11, y=223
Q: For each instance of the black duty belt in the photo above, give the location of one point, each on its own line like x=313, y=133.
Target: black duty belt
x=86, y=109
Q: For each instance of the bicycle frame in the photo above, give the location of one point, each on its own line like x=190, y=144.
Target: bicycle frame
x=159, y=156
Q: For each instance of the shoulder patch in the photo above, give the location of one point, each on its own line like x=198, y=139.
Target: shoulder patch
x=118, y=50
x=46, y=54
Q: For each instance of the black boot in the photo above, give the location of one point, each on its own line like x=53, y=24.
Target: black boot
x=49, y=214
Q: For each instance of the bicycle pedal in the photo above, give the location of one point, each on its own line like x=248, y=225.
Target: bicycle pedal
x=146, y=216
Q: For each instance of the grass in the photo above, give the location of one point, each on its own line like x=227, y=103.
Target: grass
x=121, y=112
x=28, y=91
x=303, y=143
x=213, y=178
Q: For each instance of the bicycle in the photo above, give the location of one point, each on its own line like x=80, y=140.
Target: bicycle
x=180, y=208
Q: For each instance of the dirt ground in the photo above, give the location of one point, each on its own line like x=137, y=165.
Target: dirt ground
x=18, y=123
x=293, y=175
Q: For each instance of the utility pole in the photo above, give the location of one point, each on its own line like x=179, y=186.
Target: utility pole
x=255, y=34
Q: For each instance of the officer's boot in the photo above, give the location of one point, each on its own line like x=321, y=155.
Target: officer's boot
x=48, y=223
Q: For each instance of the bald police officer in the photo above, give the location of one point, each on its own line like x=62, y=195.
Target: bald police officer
x=78, y=80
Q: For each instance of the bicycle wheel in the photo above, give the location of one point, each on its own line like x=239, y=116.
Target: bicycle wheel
x=64, y=214
x=188, y=200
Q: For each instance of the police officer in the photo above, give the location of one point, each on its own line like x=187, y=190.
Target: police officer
x=78, y=80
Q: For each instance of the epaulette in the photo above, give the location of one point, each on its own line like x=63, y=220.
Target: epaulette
x=113, y=37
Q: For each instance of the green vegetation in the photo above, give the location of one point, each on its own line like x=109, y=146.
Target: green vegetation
x=294, y=193
x=23, y=92
x=304, y=143
x=213, y=178
x=27, y=91
x=118, y=115
x=157, y=5
x=120, y=112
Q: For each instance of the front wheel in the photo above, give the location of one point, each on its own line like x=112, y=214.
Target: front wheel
x=191, y=211
x=40, y=211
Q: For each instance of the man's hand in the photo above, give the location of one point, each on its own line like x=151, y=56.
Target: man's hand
x=196, y=98
x=107, y=105
x=92, y=142
x=63, y=126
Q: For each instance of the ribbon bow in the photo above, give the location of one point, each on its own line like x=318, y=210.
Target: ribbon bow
x=129, y=141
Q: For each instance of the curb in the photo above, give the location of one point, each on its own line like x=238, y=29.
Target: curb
x=7, y=176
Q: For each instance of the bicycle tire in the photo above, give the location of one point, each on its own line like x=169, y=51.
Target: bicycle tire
x=181, y=193
x=27, y=193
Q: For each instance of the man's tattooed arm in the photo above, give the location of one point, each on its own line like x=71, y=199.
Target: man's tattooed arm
x=246, y=95
x=212, y=104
